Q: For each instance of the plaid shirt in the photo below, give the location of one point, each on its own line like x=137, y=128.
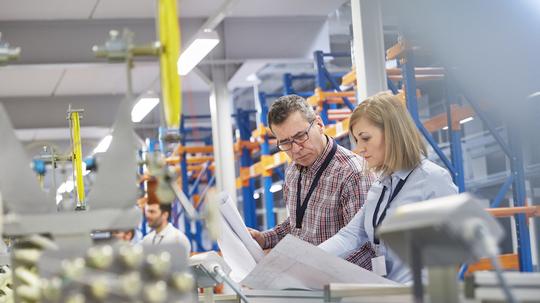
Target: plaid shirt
x=362, y=256
x=341, y=192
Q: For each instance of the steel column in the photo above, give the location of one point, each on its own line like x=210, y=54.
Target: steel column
x=267, y=180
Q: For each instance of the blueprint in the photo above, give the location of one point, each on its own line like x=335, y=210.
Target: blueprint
x=295, y=264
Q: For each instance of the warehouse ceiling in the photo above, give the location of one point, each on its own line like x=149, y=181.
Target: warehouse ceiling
x=57, y=67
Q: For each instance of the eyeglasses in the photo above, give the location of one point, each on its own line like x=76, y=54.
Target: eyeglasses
x=299, y=138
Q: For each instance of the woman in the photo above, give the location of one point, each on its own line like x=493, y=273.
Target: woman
x=385, y=135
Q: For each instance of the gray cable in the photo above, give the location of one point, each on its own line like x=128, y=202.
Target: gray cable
x=229, y=282
x=502, y=281
x=482, y=234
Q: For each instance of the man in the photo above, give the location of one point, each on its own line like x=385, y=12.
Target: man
x=324, y=186
x=157, y=215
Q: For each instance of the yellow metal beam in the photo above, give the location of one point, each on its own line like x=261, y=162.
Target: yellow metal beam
x=396, y=50
x=260, y=132
x=507, y=261
x=198, y=168
x=320, y=96
x=207, y=149
x=198, y=160
x=77, y=156
x=338, y=129
x=349, y=78
x=169, y=36
x=191, y=160
x=267, y=163
x=246, y=144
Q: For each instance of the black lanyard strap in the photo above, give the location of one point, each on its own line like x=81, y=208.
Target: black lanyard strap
x=383, y=215
x=301, y=207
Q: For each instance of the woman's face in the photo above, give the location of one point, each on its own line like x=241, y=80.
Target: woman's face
x=369, y=142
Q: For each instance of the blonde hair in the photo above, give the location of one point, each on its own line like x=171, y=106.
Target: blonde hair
x=404, y=146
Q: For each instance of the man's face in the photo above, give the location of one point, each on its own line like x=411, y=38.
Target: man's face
x=296, y=126
x=154, y=216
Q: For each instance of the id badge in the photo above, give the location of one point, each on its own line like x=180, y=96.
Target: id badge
x=378, y=264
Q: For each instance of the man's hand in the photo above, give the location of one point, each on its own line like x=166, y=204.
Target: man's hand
x=257, y=235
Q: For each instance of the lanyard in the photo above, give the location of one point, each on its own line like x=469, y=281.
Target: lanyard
x=383, y=215
x=301, y=208
x=160, y=238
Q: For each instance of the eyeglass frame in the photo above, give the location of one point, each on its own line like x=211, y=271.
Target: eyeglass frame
x=292, y=140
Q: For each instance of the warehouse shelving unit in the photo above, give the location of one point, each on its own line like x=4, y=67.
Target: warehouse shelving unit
x=243, y=148
x=193, y=159
x=333, y=105
x=510, y=147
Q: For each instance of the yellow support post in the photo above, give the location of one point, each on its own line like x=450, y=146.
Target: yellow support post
x=76, y=158
x=169, y=36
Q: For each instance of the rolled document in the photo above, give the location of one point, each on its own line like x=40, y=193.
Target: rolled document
x=240, y=250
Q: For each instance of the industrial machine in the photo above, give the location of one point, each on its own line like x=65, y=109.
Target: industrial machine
x=53, y=257
x=440, y=234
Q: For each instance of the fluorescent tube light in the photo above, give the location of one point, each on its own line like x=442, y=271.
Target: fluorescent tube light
x=142, y=108
x=469, y=119
x=103, y=144
x=275, y=188
x=66, y=187
x=466, y=120
x=252, y=78
x=533, y=95
x=203, y=44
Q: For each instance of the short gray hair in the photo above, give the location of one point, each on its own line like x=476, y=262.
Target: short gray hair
x=284, y=106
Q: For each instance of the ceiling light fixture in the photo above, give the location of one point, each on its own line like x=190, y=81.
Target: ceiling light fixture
x=142, y=108
x=466, y=120
x=201, y=46
x=275, y=188
x=103, y=144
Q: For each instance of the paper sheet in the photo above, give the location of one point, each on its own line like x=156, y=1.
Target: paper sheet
x=231, y=215
x=240, y=250
x=295, y=264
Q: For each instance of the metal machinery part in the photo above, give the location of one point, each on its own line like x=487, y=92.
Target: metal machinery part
x=117, y=273
x=53, y=258
x=484, y=286
x=210, y=270
x=74, y=116
x=440, y=234
x=8, y=53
